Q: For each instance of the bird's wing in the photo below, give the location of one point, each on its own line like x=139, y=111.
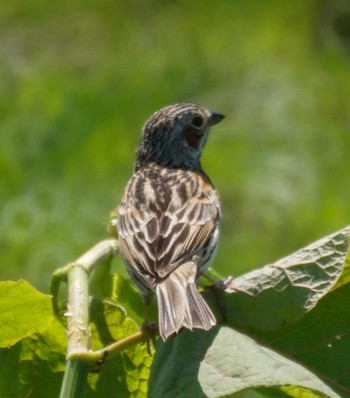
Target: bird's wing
x=171, y=224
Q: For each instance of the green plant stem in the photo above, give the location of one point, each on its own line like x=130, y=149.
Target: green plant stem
x=74, y=379
x=78, y=330
x=118, y=346
x=102, y=251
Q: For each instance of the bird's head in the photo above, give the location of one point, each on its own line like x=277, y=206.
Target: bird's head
x=175, y=136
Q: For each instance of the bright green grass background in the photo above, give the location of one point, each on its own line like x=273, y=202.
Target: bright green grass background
x=79, y=78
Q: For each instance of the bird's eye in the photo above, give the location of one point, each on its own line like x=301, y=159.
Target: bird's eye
x=197, y=122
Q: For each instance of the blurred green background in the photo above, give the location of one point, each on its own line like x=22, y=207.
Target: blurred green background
x=79, y=78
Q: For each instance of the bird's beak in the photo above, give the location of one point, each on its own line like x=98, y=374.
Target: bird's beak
x=215, y=118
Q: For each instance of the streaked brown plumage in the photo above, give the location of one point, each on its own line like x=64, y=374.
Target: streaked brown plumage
x=168, y=219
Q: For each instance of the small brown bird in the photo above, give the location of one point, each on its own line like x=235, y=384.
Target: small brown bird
x=168, y=219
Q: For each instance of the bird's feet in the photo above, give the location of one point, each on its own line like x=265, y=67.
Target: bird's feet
x=150, y=332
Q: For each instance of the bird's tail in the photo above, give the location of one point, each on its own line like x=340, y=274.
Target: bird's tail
x=180, y=304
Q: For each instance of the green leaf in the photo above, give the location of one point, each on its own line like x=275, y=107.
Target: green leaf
x=223, y=362
x=24, y=311
x=125, y=293
x=345, y=276
x=283, y=292
x=320, y=341
x=34, y=366
x=127, y=372
x=235, y=362
x=10, y=385
x=50, y=346
x=174, y=372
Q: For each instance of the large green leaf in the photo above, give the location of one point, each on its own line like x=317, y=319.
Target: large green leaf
x=320, y=341
x=235, y=362
x=280, y=293
x=24, y=311
x=223, y=362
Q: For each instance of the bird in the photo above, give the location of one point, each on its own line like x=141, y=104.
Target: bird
x=168, y=218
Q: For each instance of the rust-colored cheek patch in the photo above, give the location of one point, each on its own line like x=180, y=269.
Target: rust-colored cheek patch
x=192, y=136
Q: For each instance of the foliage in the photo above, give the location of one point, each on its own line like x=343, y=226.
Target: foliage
x=282, y=329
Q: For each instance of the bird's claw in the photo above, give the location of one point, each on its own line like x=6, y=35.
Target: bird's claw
x=150, y=331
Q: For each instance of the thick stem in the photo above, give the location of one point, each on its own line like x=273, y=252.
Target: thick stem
x=78, y=330
x=74, y=379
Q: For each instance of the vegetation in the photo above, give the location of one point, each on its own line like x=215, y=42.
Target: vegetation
x=78, y=79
